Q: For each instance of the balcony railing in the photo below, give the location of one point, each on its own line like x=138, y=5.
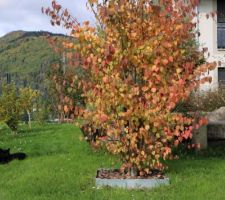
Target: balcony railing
x=221, y=35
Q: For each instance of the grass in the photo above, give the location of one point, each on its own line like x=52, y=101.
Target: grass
x=62, y=167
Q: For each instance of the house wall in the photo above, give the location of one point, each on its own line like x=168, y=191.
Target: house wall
x=207, y=28
x=208, y=39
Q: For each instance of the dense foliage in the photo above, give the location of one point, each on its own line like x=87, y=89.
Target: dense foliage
x=28, y=99
x=14, y=102
x=10, y=110
x=67, y=96
x=141, y=62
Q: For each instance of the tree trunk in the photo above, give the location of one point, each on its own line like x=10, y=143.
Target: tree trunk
x=29, y=119
x=133, y=171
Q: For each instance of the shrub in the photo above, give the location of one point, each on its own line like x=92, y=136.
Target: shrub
x=203, y=101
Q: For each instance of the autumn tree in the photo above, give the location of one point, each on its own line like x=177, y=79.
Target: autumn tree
x=63, y=85
x=27, y=99
x=14, y=102
x=10, y=108
x=68, y=95
x=142, y=62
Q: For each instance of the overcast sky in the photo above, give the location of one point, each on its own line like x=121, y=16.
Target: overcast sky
x=26, y=15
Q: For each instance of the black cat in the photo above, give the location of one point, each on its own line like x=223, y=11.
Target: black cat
x=6, y=157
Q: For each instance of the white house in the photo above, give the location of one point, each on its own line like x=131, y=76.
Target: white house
x=212, y=36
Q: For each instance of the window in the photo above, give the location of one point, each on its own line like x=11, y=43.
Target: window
x=221, y=24
x=221, y=76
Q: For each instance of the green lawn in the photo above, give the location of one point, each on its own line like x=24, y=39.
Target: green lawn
x=61, y=167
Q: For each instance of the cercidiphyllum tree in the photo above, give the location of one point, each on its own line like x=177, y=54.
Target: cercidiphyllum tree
x=144, y=61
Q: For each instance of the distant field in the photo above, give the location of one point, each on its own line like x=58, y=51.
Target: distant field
x=62, y=167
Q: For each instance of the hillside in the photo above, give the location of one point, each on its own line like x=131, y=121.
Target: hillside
x=25, y=53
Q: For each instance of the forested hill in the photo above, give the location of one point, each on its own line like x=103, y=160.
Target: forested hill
x=24, y=56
